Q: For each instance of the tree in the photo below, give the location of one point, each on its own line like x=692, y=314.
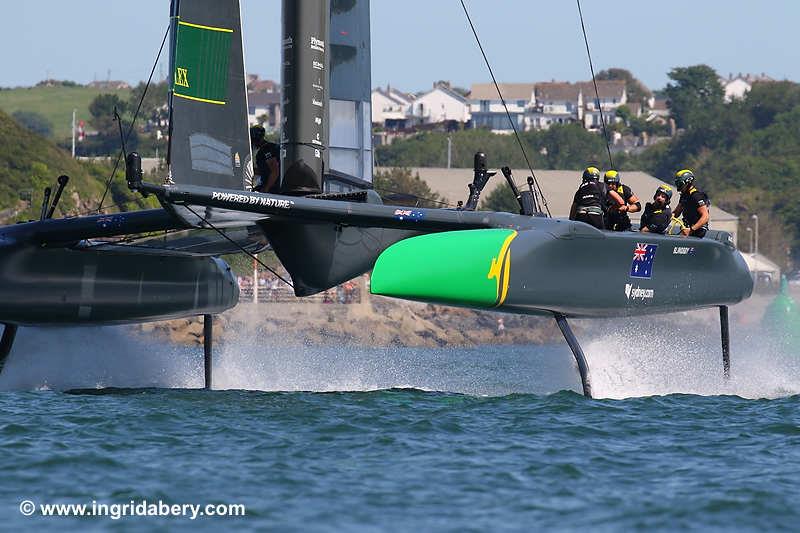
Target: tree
x=695, y=93
x=154, y=104
x=35, y=122
x=637, y=91
x=102, y=111
x=570, y=146
x=107, y=140
x=501, y=199
x=400, y=187
x=767, y=99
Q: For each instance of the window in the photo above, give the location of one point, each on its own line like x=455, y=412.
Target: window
x=521, y=103
x=485, y=106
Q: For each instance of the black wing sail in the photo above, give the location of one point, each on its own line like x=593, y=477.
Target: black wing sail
x=209, y=138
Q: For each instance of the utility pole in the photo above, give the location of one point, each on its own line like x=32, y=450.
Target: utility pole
x=449, y=150
x=255, y=279
x=73, y=132
x=755, y=221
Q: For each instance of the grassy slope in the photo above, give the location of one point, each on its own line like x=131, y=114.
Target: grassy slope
x=54, y=103
x=29, y=163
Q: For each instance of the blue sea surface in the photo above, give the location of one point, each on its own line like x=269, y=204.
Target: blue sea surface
x=344, y=439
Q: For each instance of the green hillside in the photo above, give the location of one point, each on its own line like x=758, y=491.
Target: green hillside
x=55, y=104
x=29, y=163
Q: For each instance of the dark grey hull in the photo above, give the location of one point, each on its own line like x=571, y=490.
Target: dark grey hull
x=591, y=274
x=59, y=286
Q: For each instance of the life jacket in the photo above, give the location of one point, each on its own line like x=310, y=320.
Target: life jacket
x=618, y=218
x=690, y=201
x=656, y=219
x=590, y=198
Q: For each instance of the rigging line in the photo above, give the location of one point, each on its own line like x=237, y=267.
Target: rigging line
x=505, y=106
x=133, y=122
x=239, y=246
x=596, y=91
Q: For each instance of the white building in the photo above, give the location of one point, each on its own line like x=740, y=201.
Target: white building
x=555, y=103
x=736, y=87
x=390, y=106
x=440, y=104
x=265, y=109
x=487, y=109
x=612, y=94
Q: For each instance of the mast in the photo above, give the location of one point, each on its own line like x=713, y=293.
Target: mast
x=305, y=82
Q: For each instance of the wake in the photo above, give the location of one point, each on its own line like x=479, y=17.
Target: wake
x=634, y=358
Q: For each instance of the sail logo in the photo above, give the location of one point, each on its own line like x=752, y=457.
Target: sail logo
x=318, y=65
x=317, y=44
x=632, y=293
x=182, y=77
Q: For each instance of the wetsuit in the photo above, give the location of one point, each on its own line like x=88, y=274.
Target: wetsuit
x=619, y=220
x=589, y=201
x=267, y=151
x=655, y=219
x=690, y=201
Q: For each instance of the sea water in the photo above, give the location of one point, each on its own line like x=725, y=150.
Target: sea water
x=395, y=439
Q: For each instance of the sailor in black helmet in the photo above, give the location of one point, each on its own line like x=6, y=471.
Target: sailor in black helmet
x=591, y=198
x=617, y=218
x=693, y=205
x=657, y=215
x=267, y=160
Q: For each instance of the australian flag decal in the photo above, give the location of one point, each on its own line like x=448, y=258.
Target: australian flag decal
x=643, y=257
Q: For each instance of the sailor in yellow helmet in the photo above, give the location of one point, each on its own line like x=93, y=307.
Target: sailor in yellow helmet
x=693, y=205
x=617, y=218
x=591, y=200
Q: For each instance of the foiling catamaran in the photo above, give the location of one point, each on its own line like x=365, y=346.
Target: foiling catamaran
x=53, y=273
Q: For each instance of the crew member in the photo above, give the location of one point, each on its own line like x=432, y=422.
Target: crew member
x=693, y=205
x=657, y=215
x=266, y=159
x=591, y=198
x=617, y=218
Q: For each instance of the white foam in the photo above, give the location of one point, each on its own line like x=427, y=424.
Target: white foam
x=654, y=361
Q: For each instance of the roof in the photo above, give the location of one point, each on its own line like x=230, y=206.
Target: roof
x=262, y=86
x=558, y=186
x=608, y=89
x=263, y=99
x=760, y=263
x=449, y=92
x=394, y=95
x=557, y=91
x=511, y=91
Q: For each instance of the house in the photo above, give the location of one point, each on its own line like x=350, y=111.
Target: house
x=265, y=109
x=486, y=107
x=109, y=85
x=610, y=93
x=736, y=87
x=555, y=103
x=440, y=104
x=390, y=107
x=256, y=85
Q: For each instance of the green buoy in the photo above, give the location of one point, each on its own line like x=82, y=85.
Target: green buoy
x=782, y=318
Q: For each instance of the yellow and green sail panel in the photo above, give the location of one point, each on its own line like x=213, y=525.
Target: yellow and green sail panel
x=470, y=268
x=202, y=56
